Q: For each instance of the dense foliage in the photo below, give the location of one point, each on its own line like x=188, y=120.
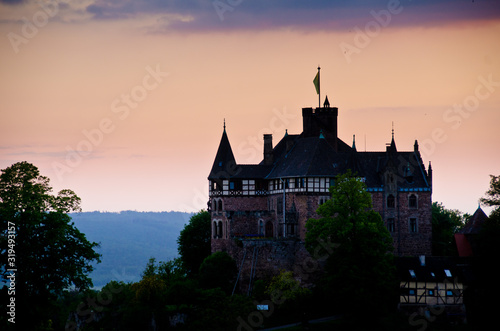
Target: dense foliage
x=43, y=251
x=360, y=270
x=196, y=290
x=194, y=241
x=445, y=223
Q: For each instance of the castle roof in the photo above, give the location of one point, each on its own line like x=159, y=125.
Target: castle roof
x=224, y=165
x=317, y=152
x=475, y=223
x=432, y=269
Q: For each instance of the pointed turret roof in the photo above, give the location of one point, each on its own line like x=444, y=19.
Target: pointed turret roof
x=224, y=165
x=392, y=147
x=475, y=223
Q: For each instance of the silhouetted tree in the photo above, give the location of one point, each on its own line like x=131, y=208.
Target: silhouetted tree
x=218, y=271
x=445, y=223
x=40, y=246
x=194, y=241
x=360, y=273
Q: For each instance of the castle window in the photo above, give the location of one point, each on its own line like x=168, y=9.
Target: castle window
x=391, y=202
x=412, y=201
x=261, y=227
x=322, y=200
x=260, y=185
x=219, y=209
x=215, y=230
x=299, y=183
x=413, y=225
x=279, y=204
x=269, y=229
x=236, y=185
x=390, y=225
x=219, y=230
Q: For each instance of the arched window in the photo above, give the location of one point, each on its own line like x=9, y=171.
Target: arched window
x=215, y=230
x=219, y=229
x=220, y=206
x=261, y=227
x=412, y=201
x=391, y=202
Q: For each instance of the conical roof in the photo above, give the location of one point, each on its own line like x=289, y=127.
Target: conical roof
x=475, y=223
x=224, y=165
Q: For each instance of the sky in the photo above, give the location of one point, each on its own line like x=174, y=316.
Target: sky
x=124, y=101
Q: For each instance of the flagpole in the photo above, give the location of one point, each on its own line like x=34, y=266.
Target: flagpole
x=319, y=89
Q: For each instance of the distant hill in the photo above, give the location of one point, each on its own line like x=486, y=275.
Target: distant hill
x=128, y=239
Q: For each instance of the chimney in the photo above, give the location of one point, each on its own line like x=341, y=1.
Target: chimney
x=268, y=149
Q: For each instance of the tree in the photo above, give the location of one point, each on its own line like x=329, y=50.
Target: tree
x=483, y=307
x=290, y=298
x=218, y=271
x=360, y=270
x=194, y=241
x=45, y=252
x=488, y=236
x=445, y=223
x=492, y=198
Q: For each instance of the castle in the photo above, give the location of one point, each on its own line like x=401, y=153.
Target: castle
x=272, y=201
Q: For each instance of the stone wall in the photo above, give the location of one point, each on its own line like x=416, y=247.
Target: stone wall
x=406, y=242
x=265, y=258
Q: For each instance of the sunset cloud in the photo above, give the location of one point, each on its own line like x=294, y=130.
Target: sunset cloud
x=418, y=63
x=197, y=15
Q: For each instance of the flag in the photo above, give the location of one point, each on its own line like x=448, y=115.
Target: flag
x=316, y=82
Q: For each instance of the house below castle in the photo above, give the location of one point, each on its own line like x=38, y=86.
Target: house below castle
x=274, y=199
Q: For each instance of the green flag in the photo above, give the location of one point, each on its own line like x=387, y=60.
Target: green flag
x=316, y=82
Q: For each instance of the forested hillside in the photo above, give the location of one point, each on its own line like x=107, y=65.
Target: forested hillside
x=128, y=239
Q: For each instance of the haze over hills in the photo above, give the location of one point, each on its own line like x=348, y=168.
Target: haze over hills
x=128, y=239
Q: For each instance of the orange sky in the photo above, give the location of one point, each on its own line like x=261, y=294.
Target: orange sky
x=131, y=119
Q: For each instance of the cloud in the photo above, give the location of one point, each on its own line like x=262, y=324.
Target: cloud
x=301, y=14
x=12, y=2
x=227, y=15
